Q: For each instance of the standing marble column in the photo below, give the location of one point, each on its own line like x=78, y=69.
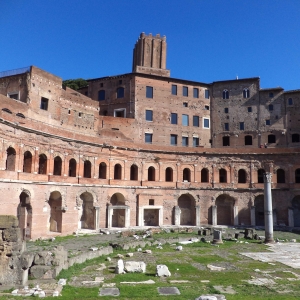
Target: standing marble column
x=268, y=209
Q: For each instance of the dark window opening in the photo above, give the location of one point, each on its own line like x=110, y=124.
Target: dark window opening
x=268, y=122
x=295, y=138
x=151, y=201
x=148, y=138
x=185, y=141
x=44, y=103
x=7, y=110
x=195, y=92
x=120, y=113
x=204, y=175
x=242, y=126
x=271, y=138
x=14, y=96
x=87, y=169
x=246, y=93
x=195, y=142
x=42, y=164
x=226, y=141
x=72, y=167
x=173, y=139
x=151, y=174
x=271, y=107
x=248, y=140
x=117, y=171
x=149, y=115
x=290, y=101
x=120, y=92
x=297, y=175
x=280, y=176
x=102, y=170
x=249, y=109
x=185, y=91
x=169, y=174
x=196, y=122
x=10, y=159
x=226, y=110
x=260, y=175
x=225, y=94
x=174, y=89
x=101, y=95
x=226, y=126
x=57, y=166
x=206, y=94
x=185, y=104
x=271, y=95
x=242, y=176
x=174, y=118
x=134, y=172
x=187, y=175
x=27, y=162
x=222, y=176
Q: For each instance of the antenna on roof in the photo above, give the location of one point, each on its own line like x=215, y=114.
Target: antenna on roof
x=237, y=77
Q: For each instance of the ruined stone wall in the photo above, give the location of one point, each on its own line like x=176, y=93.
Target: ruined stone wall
x=11, y=249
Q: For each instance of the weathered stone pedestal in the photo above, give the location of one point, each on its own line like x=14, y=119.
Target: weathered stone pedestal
x=217, y=237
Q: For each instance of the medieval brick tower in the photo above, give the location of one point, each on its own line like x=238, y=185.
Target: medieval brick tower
x=150, y=55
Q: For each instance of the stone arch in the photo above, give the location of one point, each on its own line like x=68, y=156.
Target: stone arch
x=86, y=211
x=204, y=174
x=119, y=215
x=134, y=172
x=102, y=170
x=151, y=174
x=186, y=175
x=117, y=171
x=242, y=176
x=42, y=164
x=72, y=167
x=24, y=214
x=186, y=203
x=10, y=159
x=56, y=207
x=169, y=174
x=87, y=169
x=57, y=165
x=259, y=210
x=296, y=210
x=225, y=209
x=86, y=190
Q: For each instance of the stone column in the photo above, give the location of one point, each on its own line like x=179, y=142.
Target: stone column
x=110, y=211
x=235, y=215
x=160, y=217
x=177, y=213
x=197, y=207
x=214, y=215
x=141, y=216
x=253, y=221
x=291, y=217
x=268, y=208
x=127, y=217
x=97, y=217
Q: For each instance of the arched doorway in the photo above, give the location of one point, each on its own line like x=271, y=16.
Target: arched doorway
x=225, y=215
x=55, y=203
x=87, y=218
x=24, y=213
x=259, y=210
x=117, y=202
x=296, y=211
x=186, y=204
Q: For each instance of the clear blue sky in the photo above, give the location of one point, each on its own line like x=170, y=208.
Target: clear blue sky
x=208, y=40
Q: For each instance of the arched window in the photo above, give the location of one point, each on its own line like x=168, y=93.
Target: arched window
x=102, y=170
x=27, y=162
x=225, y=94
x=7, y=110
x=117, y=171
x=295, y=138
x=242, y=176
x=223, y=176
x=101, y=95
x=151, y=174
x=169, y=174
x=57, y=166
x=134, y=172
x=87, y=169
x=297, y=175
x=271, y=138
x=20, y=115
x=10, y=159
x=72, y=167
x=187, y=175
x=260, y=175
x=246, y=93
x=204, y=175
x=42, y=164
x=248, y=140
x=280, y=176
x=120, y=92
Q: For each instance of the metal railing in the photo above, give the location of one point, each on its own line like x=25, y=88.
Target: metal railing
x=14, y=72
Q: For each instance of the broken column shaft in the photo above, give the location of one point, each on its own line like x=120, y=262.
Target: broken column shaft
x=268, y=209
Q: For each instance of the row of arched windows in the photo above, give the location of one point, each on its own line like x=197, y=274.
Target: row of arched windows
x=246, y=93
x=87, y=170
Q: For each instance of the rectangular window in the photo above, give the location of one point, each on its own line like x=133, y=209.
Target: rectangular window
x=148, y=138
x=205, y=123
x=174, y=89
x=271, y=107
x=226, y=110
x=44, y=103
x=242, y=126
x=173, y=139
x=249, y=109
x=195, y=141
x=101, y=95
x=120, y=81
x=185, y=120
x=185, y=104
x=271, y=95
x=206, y=107
x=13, y=95
x=174, y=118
x=196, y=93
x=185, y=141
x=149, y=115
x=185, y=91
x=226, y=126
x=268, y=122
x=120, y=113
x=196, y=121
x=149, y=92
x=290, y=101
x=206, y=94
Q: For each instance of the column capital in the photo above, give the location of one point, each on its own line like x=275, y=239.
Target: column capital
x=267, y=177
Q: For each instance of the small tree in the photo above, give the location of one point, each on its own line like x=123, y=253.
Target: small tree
x=75, y=84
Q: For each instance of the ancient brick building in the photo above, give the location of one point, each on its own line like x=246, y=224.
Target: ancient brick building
x=145, y=149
